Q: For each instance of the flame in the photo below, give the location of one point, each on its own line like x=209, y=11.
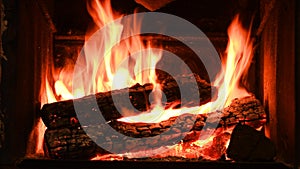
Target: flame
x=36, y=148
x=127, y=62
x=97, y=75
x=235, y=65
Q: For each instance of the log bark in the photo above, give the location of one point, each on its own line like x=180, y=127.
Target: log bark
x=72, y=142
x=63, y=114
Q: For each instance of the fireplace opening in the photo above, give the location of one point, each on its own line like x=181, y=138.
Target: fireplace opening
x=244, y=102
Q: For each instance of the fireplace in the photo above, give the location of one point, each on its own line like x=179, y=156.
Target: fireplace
x=53, y=32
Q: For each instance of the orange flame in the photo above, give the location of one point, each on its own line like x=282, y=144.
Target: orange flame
x=239, y=53
x=57, y=85
x=238, y=58
x=235, y=65
x=36, y=148
x=101, y=75
x=116, y=63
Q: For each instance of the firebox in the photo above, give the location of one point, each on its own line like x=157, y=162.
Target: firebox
x=85, y=86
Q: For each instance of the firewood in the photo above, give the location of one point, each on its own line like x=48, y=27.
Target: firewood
x=62, y=114
x=72, y=142
x=248, y=144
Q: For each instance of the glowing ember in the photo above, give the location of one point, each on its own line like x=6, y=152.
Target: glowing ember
x=209, y=149
x=99, y=76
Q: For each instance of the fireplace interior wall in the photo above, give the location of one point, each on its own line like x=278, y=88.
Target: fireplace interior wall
x=27, y=43
x=30, y=37
x=278, y=85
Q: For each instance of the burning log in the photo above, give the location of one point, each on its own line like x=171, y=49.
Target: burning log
x=63, y=114
x=72, y=142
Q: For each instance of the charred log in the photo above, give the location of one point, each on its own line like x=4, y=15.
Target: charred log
x=63, y=114
x=248, y=144
x=71, y=142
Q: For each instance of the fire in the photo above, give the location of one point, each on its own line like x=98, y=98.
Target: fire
x=36, y=148
x=100, y=67
x=211, y=149
x=235, y=65
x=127, y=62
x=98, y=75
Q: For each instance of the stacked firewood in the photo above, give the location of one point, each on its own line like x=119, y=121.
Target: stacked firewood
x=65, y=138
